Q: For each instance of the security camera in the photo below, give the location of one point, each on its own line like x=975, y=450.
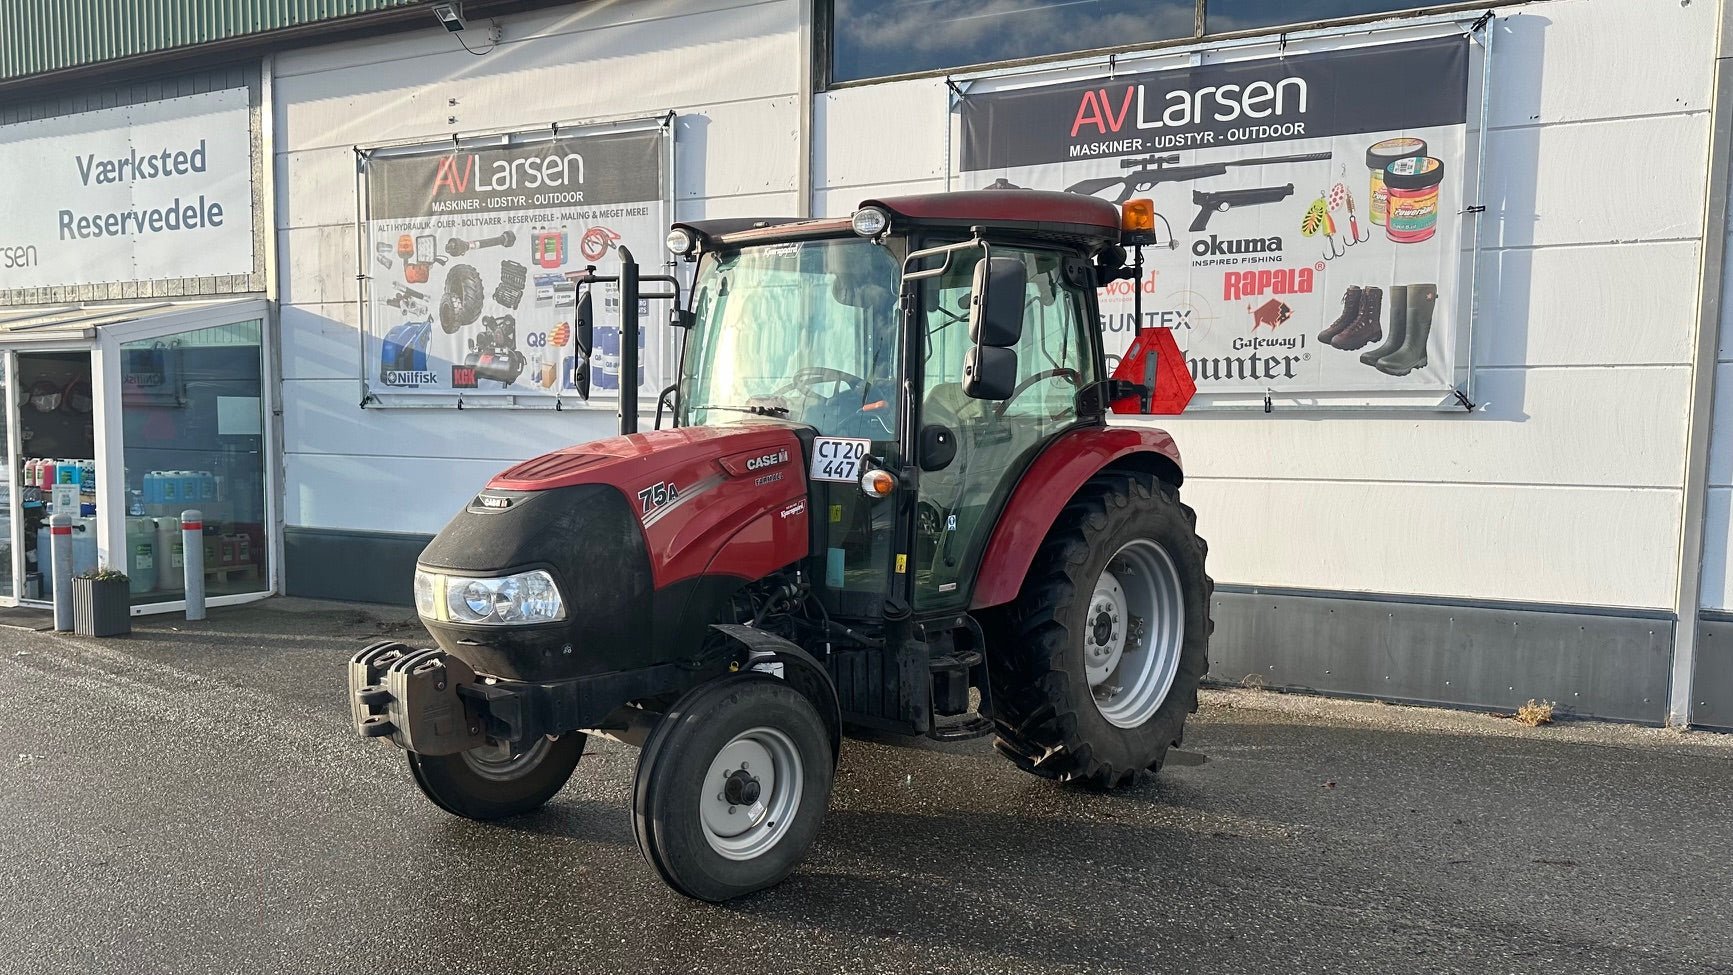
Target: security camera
x=450, y=15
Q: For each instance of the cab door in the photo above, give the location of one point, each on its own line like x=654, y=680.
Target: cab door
x=958, y=504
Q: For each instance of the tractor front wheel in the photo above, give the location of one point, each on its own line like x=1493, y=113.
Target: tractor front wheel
x=498, y=780
x=1102, y=653
x=732, y=786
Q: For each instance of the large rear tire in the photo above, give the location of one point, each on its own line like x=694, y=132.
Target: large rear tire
x=498, y=781
x=732, y=787
x=1098, y=661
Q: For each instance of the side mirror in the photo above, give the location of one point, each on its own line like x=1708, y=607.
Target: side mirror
x=585, y=340
x=990, y=372
x=938, y=447
x=996, y=301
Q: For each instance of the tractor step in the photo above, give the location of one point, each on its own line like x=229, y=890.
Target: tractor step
x=969, y=726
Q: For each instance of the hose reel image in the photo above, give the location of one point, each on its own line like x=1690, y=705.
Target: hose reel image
x=464, y=294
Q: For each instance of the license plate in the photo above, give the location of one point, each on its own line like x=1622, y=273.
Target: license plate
x=838, y=458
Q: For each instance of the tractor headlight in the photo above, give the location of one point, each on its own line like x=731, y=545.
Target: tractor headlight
x=681, y=242
x=527, y=597
x=870, y=221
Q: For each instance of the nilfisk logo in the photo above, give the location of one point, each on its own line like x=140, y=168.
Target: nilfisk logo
x=1216, y=247
x=1238, y=285
x=767, y=460
x=409, y=377
x=469, y=174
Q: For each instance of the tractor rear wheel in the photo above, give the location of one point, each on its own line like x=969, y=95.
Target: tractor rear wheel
x=732, y=786
x=1100, y=657
x=498, y=780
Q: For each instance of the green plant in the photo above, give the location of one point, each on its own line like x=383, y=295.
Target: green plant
x=103, y=573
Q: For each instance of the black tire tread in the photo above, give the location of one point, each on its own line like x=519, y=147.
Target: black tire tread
x=1035, y=721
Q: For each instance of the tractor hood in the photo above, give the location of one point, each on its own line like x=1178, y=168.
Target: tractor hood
x=647, y=536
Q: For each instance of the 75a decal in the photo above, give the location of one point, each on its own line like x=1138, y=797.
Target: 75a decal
x=656, y=496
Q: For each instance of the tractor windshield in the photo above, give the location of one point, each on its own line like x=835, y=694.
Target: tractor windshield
x=804, y=331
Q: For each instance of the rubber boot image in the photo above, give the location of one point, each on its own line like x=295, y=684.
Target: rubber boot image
x=1422, y=298
x=1398, y=326
x=1350, y=309
x=1365, y=328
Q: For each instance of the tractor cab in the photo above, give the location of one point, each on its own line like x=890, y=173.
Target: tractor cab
x=930, y=346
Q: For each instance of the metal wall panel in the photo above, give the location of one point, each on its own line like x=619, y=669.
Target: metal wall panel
x=1590, y=664
x=1712, y=697
x=37, y=36
x=368, y=567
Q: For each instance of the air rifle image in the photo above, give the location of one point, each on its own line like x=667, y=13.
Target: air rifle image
x=1222, y=201
x=1152, y=170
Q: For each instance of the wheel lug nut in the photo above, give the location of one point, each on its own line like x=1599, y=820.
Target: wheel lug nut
x=744, y=766
x=730, y=810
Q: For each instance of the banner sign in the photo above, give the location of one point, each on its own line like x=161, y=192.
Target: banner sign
x=146, y=192
x=474, y=254
x=1309, y=207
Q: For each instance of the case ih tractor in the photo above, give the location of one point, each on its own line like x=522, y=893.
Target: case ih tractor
x=889, y=500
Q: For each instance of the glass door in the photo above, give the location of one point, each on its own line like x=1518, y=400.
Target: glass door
x=193, y=437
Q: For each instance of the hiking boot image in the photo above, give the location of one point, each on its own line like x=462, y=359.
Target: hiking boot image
x=1350, y=308
x=1365, y=328
x=1398, y=326
x=1422, y=298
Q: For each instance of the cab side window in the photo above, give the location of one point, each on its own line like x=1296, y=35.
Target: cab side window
x=995, y=439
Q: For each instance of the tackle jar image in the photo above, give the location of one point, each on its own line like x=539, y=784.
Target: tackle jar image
x=1379, y=156
x=1413, y=188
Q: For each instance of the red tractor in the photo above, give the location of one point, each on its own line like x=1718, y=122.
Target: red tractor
x=889, y=500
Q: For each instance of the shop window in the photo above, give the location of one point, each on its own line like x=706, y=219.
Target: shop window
x=1227, y=16
x=195, y=439
x=876, y=38
x=882, y=38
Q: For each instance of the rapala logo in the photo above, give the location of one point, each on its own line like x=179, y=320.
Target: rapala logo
x=467, y=174
x=1239, y=285
x=405, y=377
x=1216, y=247
x=767, y=460
x=1107, y=112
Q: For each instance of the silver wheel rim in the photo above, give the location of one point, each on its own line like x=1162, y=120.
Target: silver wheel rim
x=496, y=762
x=1133, y=634
x=751, y=793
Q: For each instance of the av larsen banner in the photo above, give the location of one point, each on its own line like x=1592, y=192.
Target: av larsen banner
x=145, y=192
x=474, y=254
x=1310, y=207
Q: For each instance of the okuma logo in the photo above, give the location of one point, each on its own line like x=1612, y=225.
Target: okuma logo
x=1216, y=247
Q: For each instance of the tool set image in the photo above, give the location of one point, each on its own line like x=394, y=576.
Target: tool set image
x=495, y=348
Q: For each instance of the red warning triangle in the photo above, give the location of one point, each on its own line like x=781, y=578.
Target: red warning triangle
x=1174, y=387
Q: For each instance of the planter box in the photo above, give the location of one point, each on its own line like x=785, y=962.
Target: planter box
x=101, y=607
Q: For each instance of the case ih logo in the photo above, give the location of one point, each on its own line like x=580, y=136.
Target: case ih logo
x=1240, y=285
x=767, y=460
x=469, y=174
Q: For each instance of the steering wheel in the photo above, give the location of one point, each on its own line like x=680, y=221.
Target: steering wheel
x=808, y=376
x=1072, y=375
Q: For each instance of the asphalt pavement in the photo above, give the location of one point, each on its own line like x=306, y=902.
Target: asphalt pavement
x=191, y=799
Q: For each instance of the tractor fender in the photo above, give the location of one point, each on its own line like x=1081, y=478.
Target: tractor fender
x=801, y=670
x=1048, y=485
